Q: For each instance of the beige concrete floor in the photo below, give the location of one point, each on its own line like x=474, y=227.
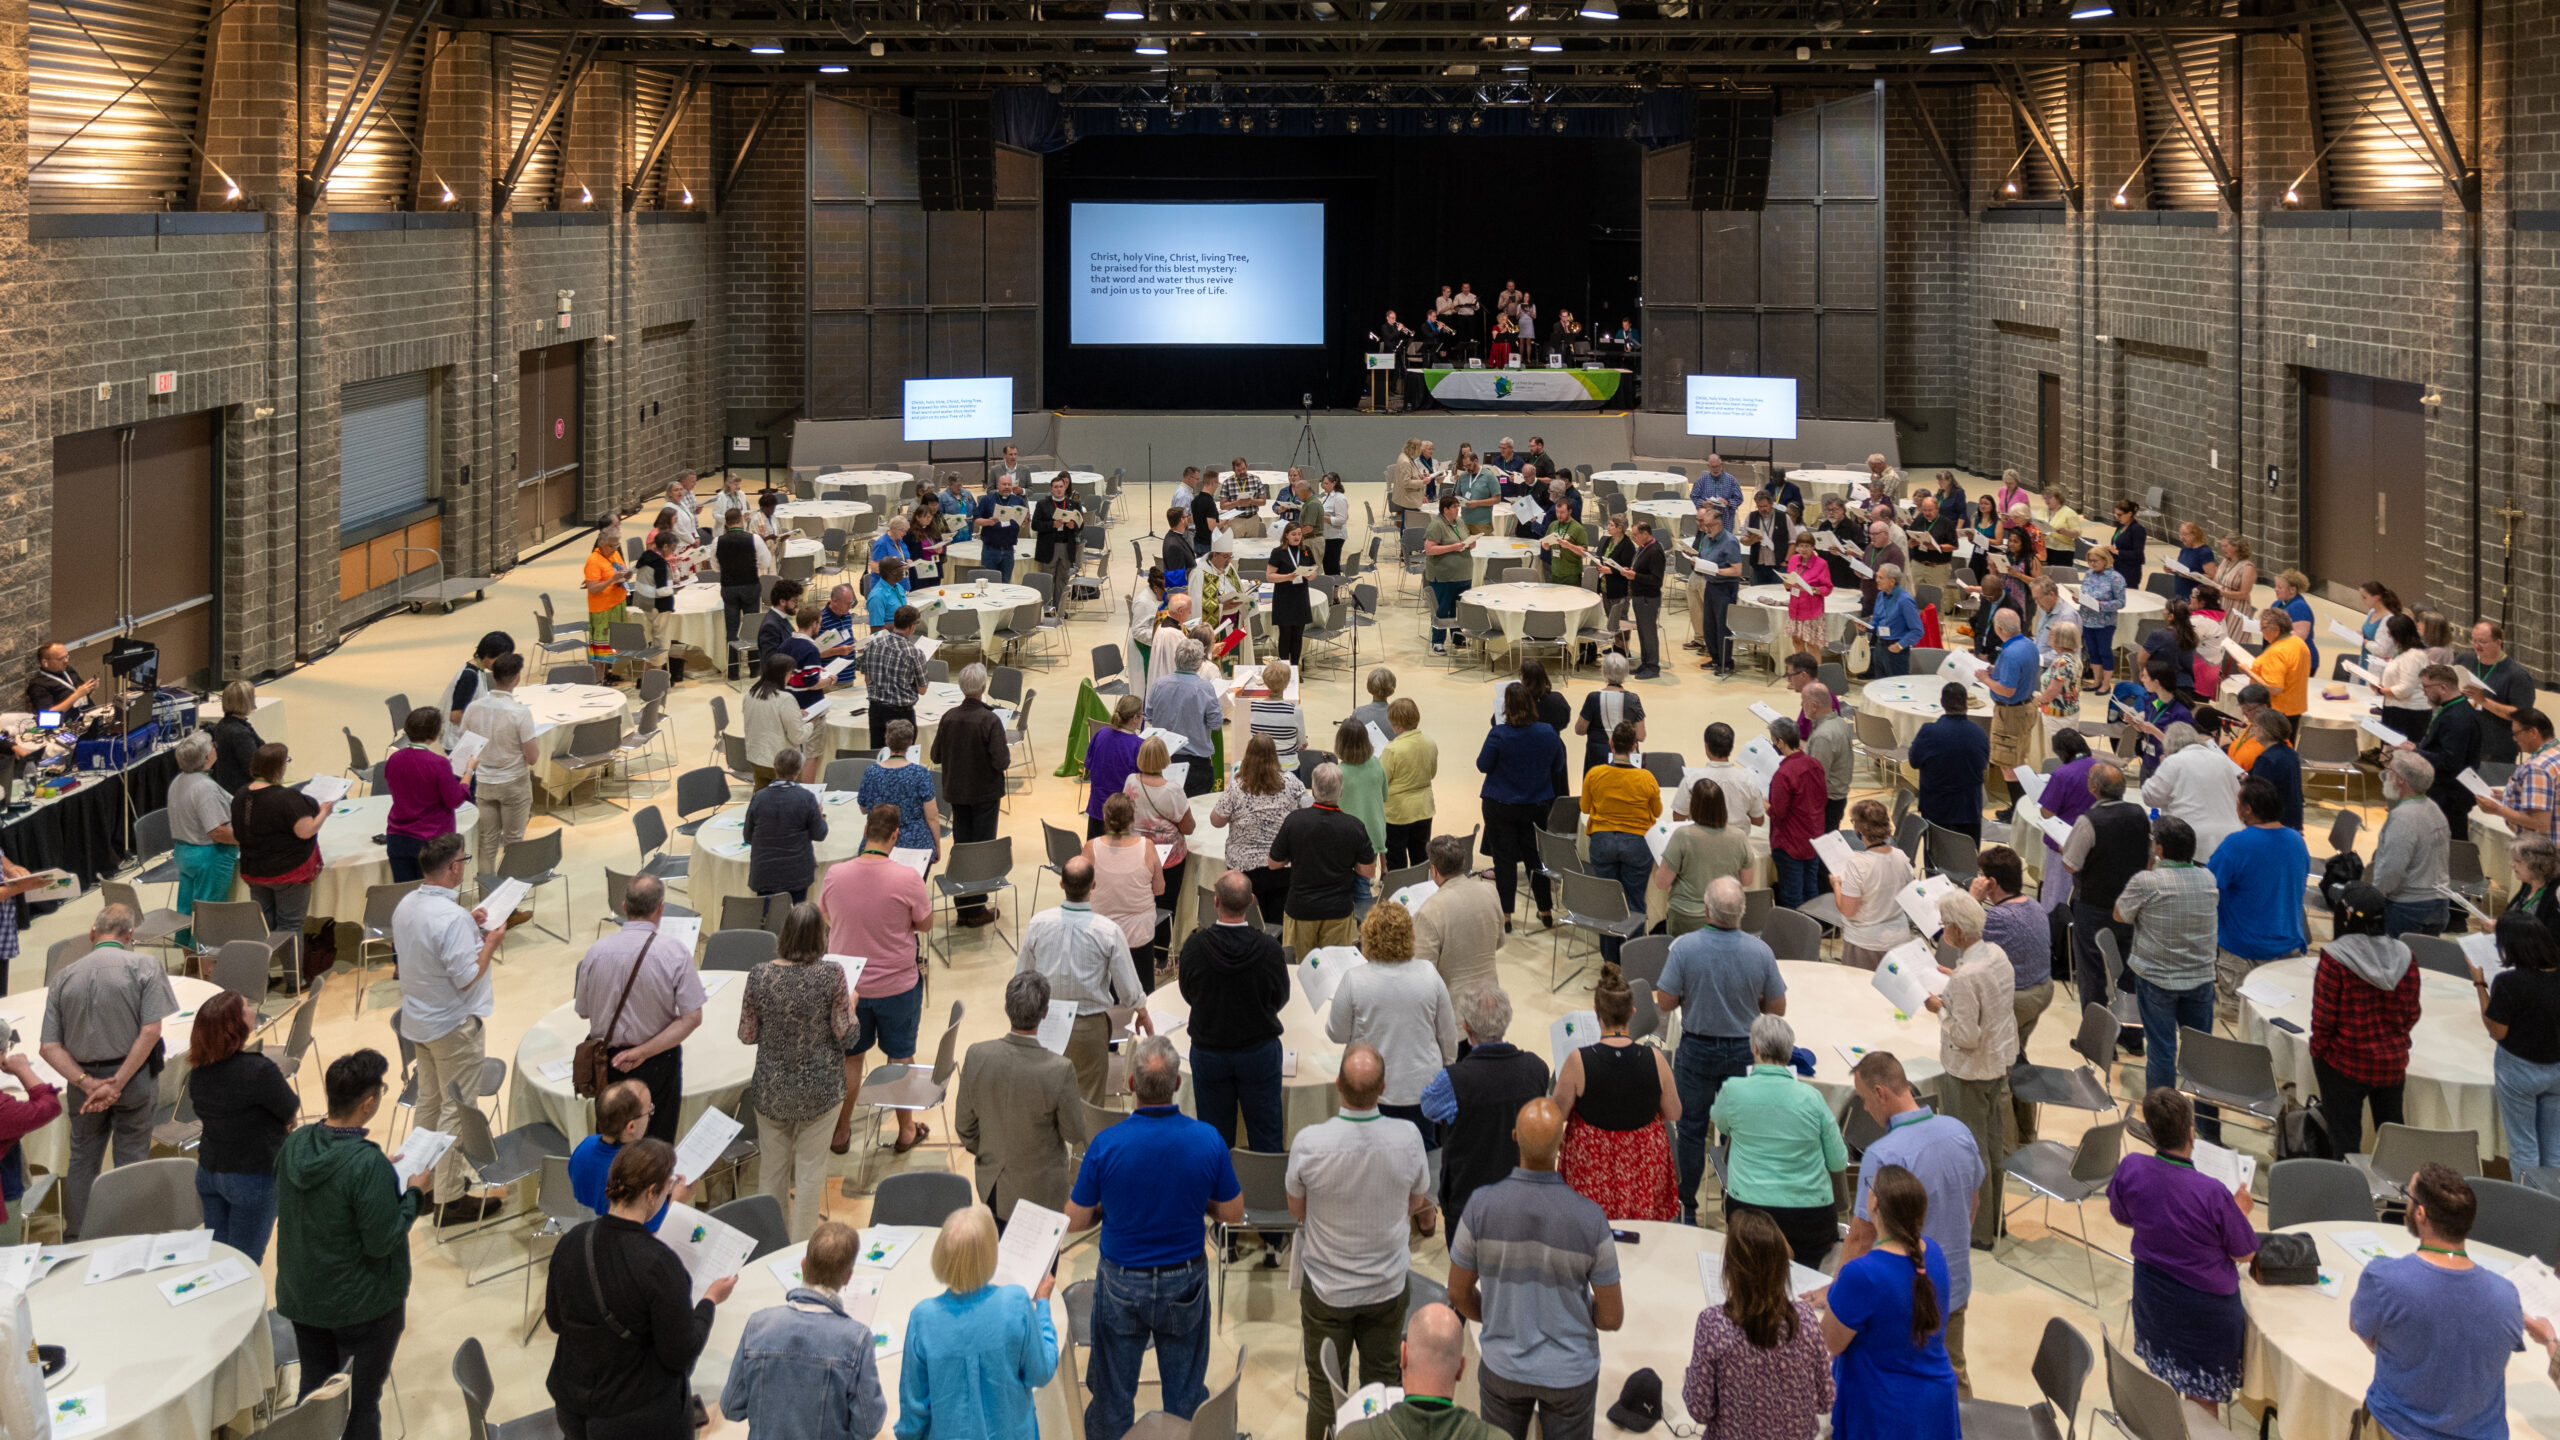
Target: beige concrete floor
x=418, y=654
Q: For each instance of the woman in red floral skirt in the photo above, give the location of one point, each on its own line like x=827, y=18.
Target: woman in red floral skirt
x=1621, y=1106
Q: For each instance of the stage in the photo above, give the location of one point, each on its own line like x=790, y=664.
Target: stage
x=1527, y=388
x=1156, y=445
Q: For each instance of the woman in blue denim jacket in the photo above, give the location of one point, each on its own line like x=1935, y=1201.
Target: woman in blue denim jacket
x=804, y=1368
x=977, y=1354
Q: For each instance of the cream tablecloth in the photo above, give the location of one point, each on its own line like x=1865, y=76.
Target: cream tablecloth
x=2303, y=1358
x=991, y=602
x=2318, y=709
x=563, y=708
x=848, y=717
x=716, y=1066
x=815, y=517
x=1307, y=1097
x=719, y=868
x=1911, y=701
x=875, y=486
x=2450, y=1086
x=1642, y=482
x=50, y=1147
x=902, y=1289
x=1659, y=1282
x=1839, y=604
x=169, y=1372
x=1835, y=1005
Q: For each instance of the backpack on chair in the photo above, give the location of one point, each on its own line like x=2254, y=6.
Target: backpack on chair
x=2302, y=1132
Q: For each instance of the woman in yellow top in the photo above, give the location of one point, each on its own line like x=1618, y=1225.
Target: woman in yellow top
x=1412, y=763
x=603, y=581
x=1621, y=801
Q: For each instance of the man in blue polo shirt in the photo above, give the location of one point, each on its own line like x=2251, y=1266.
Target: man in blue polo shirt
x=1147, y=1181
x=2012, y=683
x=1716, y=484
x=996, y=538
x=2261, y=870
x=1940, y=1153
x=622, y=1112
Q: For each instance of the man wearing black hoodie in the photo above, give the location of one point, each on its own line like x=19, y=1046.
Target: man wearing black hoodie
x=1236, y=979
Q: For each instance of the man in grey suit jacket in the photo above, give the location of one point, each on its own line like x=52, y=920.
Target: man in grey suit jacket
x=1019, y=1107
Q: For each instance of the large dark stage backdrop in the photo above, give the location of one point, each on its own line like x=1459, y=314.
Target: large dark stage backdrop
x=1403, y=216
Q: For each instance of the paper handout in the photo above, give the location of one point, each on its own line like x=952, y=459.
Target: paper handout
x=1908, y=976
x=1920, y=898
x=2341, y=629
x=1028, y=1247
x=326, y=788
x=914, y=857
x=501, y=901
x=1056, y=1026
x=1765, y=713
x=712, y=1250
x=2230, y=1167
x=137, y=1253
x=684, y=930
x=2472, y=782
x=1320, y=973
x=2361, y=673
x=198, y=1283
x=2382, y=732
x=702, y=1146
x=1571, y=1033
x=2266, y=993
x=1412, y=896
x=465, y=750
x=883, y=1246
x=1375, y=1398
x=1832, y=849
x=419, y=1151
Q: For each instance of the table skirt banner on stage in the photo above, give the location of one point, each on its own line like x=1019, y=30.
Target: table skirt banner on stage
x=1522, y=389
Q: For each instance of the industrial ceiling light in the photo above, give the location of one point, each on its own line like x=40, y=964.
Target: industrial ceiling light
x=1982, y=18
x=688, y=195
x=766, y=46
x=1546, y=45
x=833, y=69
x=1946, y=45
x=1149, y=45
x=1123, y=10
x=2091, y=9
x=586, y=196
x=1599, y=10
x=878, y=49
x=653, y=13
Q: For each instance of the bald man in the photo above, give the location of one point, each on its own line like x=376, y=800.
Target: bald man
x=1532, y=1262
x=1344, y=1179
x=1433, y=1358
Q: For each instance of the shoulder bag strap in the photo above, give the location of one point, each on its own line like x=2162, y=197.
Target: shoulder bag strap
x=638, y=961
x=595, y=1287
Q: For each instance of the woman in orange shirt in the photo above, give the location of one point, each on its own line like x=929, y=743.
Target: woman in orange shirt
x=603, y=581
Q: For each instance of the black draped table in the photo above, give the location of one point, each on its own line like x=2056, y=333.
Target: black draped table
x=86, y=831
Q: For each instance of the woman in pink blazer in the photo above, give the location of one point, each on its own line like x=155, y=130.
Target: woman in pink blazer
x=1805, y=620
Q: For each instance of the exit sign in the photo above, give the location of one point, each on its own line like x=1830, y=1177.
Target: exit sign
x=164, y=382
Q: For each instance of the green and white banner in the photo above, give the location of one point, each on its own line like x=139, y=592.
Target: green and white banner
x=1522, y=389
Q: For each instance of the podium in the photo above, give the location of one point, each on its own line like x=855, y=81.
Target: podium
x=1382, y=367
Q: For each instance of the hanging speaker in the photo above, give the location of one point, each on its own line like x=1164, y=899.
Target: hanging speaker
x=956, y=152
x=1729, y=150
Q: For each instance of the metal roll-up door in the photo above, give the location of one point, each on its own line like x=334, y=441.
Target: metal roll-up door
x=96, y=70
x=375, y=174
x=2378, y=159
x=382, y=449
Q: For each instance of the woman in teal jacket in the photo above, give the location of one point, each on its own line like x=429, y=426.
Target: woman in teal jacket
x=977, y=1354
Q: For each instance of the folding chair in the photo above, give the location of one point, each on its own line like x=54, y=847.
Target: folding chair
x=2074, y=1175
x=2305, y=1190
x=975, y=868
x=2399, y=1150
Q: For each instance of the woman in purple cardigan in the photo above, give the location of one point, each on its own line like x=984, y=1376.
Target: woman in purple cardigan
x=424, y=792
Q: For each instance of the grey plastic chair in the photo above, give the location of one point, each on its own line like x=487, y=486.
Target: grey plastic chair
x=2074, y=1175
x=2061, y=1369
x=1264, y=1178
x=738, y=949
x=760, y=1216
x=921, y=1197
x=321, y=1415
x=143, y=1199
x=557, y=1202
x=2442, y=956
x=2302, y=1191
x=1792, y=935
x=2233, y=1074
x=2518, y=1218
x=2148, y=1407
x=2398, y=1151
x=2084, y=1088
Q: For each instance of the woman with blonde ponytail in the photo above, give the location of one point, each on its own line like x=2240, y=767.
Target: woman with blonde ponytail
x=1887, y=1332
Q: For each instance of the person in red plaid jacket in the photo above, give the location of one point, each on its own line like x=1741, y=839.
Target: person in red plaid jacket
x=2364, y=1003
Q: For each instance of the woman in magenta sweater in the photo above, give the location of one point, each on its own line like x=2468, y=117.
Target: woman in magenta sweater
x=424, y=792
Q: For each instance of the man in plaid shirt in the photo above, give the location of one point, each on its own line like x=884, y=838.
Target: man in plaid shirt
x=2531, y=802
x=894, y=671
x=1241, y=489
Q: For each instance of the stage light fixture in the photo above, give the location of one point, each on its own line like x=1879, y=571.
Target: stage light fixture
x=1599, y=10
x=1946, y=45
x=1804, y=52
x=1545, y=45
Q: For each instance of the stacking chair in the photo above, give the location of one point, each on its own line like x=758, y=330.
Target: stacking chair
x=1757, y=907
x=921, y=1197
x=322, y=1414
x=1665, y=766
x=497, y=1161
x=2238, y=1076
x=2302, y=1191
x=1876, y=743
x=700, y=793
x=2518, y=1218
x=649, y=828
x=154, y=928
x=536, y=861
x=1214, y=1420
x=1592, y=904
x=738, y=950
x=592, y=749
x=241, y=968
x=1264, y=1178
x=2329, y=751
x=1064, y=845
x=550, y=645
x=750, y=912
x=980, y=868
x=2074, y=1175
x=2085, y=1088
x=1792, y=935
x=914, y=1087
x=556, y=1202
x=1110, y=672
x=2433, y=952
x=1953, y=853
x=219, y=922
x=151, y=842
x=143, y=1199
x=2398, y=1151
x=760, y=1216
x=182, y=1131
x=2148, y=1407
x=2061, y=1368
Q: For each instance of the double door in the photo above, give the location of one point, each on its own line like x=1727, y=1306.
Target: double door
x=135, y=526
x=2364, y=483
x=548, y=443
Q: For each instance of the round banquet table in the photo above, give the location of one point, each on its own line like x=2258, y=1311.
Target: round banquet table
x=2138, y=604
x=1818, y=485
x=1911, y=701
x=702, y=622
x=563, y=708
x=717, y=1066
x=901, y=1290
x=1318, y=607
x=1500, y=552
x=1667, y=510
x=1639, y=481
x=864, y=481
x=2303, y=1359
x=848, y=717
x=1835, y=1005
x=815, y=517
x=2318, y=709
x=1088, y=483
x=1252, y=547
x=719, y=869
x=50, y=1147
x=2450, y=1086
x=204, y=1363
x=1659, y=1283
x=1773, y=598
x=1307, y=1098
x=965, y=556
x=1521, y=599
x=992, y=602
x=352, y=861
